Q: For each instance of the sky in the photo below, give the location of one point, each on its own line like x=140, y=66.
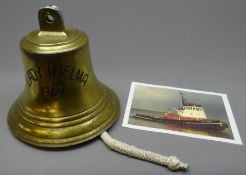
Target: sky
x=163, y=100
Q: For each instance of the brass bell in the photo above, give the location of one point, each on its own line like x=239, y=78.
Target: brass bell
x=63, y=103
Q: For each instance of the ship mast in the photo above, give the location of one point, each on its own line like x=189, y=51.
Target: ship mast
x=183, y=99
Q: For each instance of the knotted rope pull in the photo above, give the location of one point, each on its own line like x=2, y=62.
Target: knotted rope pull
x=172, y=162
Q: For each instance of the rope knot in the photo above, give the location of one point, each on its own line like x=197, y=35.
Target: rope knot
x=173, y=163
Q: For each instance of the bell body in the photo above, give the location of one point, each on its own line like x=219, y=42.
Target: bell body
x=63, y=103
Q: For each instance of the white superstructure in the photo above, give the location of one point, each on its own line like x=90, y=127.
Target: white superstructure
x=191, y=112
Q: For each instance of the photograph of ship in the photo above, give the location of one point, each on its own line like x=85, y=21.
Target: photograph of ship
x=185, y=112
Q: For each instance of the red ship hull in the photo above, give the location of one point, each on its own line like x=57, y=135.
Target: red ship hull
x=216, y=125
x=172, y=116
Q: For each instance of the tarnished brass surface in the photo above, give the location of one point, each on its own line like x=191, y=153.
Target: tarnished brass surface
x=63, y=103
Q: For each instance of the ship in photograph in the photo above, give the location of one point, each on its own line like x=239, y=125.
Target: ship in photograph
x=190, y=115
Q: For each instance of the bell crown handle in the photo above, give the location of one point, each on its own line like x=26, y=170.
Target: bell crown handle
x=50, y=19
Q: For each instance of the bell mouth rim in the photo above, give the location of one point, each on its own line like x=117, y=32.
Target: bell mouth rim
x=33, y=139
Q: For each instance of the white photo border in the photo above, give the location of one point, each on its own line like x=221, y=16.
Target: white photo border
x=236, y=140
